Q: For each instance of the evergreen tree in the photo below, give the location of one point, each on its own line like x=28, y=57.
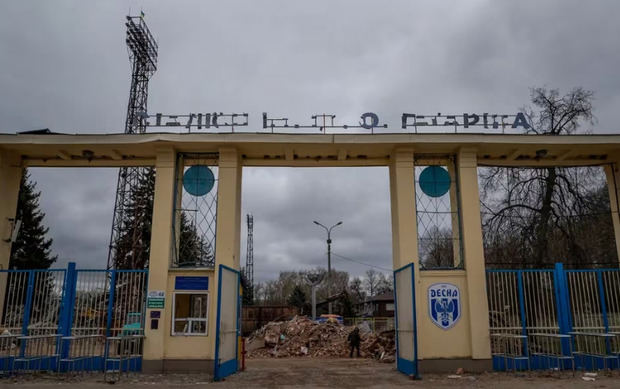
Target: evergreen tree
x=133, y=246
x=31, y=250
x=298, y=299
x=248, y=290
x=193, y=250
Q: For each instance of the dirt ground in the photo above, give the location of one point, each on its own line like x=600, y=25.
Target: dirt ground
x=312, y=373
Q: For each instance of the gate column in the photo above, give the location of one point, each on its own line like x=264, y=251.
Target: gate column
x=228, y=235
x=404, y=224
x=473, y=252
x=612, y=173
x=159, y=260
x=10, y=177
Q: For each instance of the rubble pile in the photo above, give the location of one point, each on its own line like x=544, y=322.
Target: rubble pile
x=302, y=337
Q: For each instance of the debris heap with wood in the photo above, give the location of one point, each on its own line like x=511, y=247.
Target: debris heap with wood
x=302, y=337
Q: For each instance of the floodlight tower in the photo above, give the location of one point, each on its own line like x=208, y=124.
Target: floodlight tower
x=129, y=207
x=249, y=258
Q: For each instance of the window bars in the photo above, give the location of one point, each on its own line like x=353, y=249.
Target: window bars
x=437, y=213
x=195, y=211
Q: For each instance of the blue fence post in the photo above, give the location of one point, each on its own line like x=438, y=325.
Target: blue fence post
x=563, y=307
x=111, y=302
x=27, y=310
x=66, y=312
x=109, y=321
x=520, y=290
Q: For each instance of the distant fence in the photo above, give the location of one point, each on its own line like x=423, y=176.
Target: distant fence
x=254, y=317
x=554, y=318
x=69, y=319
x=376, y=324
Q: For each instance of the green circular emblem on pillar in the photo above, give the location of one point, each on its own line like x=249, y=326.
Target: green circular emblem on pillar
x=435, y=181
x=198, y=180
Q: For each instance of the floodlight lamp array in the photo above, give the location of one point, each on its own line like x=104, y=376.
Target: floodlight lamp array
x=141, y=44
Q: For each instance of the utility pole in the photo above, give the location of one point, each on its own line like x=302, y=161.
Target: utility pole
x=329, y=261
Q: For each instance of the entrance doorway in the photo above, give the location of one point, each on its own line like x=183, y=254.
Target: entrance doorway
x=290, y=254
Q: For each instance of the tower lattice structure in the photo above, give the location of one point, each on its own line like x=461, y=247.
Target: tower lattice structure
x=133, y=208
x=249, y=258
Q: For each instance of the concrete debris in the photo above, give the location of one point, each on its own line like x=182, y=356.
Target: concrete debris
x=588, y=378
x=453, y=376
x=302, y=337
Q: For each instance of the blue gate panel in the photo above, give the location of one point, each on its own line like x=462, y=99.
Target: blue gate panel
x=228, y=322
x=405, y=321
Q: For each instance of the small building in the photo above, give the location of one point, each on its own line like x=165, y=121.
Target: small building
x=381, y=305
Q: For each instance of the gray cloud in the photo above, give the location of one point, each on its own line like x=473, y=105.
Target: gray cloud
x=68, y=70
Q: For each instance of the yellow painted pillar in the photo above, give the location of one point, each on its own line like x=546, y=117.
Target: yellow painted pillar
x=10, y=177
x=473, y=252
x=159, y=261
x=404, y=224
x=455, y=219
x=613, y=186
x=228, y=237
x=178, y=204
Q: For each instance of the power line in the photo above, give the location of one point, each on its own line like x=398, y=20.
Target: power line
x=360, y=262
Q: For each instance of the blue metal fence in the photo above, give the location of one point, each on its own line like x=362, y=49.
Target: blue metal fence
x=557, y=319
x=69, y=319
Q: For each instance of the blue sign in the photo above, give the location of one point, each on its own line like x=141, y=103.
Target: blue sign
x=434, y=181
x=198, y=180
x=191, y=283
x=444, y=304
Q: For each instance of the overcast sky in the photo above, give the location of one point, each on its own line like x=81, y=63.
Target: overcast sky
x=64, y=66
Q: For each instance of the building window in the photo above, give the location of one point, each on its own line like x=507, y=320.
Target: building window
x=389, y=307
x=190, y=313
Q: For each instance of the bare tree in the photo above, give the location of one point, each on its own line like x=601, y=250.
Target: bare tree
x=385, y=284
x=528, y=213
x=371, y=281
x=356, y=286
x=437, y=248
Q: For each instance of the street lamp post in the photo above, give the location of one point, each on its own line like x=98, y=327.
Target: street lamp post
x=329, y=261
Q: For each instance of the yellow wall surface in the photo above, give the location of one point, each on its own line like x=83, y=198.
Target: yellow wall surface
x=10, y=178
x=161, y=248
x=469, y=337
x=473, y=254
x=435, y=342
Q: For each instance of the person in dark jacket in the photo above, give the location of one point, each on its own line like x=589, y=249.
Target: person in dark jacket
x=354, y=341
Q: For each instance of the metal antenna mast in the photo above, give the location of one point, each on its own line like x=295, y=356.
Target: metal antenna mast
x=131, y=209
x=249, y=259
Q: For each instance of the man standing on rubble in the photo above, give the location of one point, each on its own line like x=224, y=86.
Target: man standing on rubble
x=354, y=341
